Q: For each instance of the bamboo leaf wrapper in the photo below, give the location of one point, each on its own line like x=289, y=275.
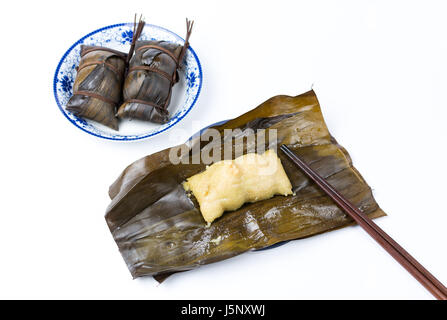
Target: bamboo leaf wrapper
x=159, y=230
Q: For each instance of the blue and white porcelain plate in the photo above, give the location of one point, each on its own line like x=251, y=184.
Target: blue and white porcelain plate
x=119, y=37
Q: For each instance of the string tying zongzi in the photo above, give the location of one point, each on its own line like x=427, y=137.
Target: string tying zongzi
x=189, y=25
x=137, y=30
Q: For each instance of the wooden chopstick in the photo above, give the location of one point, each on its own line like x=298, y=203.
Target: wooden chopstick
x=433, y=285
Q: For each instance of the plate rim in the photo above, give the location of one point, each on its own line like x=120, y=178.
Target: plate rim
x=124, y=138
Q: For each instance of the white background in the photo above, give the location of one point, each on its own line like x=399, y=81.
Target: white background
x=379, y=69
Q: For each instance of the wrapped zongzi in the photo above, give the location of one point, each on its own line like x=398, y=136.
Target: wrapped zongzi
x=98, y=84
x=152, y=73
x=159, y=228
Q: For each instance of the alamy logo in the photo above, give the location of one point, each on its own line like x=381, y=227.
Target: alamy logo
x=215, y=145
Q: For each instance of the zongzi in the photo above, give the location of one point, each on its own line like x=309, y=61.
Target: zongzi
x=228, y=184
x=152, y=73
x=97, y=88
x=159, y=229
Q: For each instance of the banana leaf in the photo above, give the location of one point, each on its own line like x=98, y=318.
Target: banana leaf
x=97, y=88
x=159, y=230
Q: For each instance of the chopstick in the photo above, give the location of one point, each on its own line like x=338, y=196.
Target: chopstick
x=433, y=285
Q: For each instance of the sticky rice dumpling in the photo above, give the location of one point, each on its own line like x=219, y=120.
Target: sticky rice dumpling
x=97, y=88
x=228, y=184
x=151, y=75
